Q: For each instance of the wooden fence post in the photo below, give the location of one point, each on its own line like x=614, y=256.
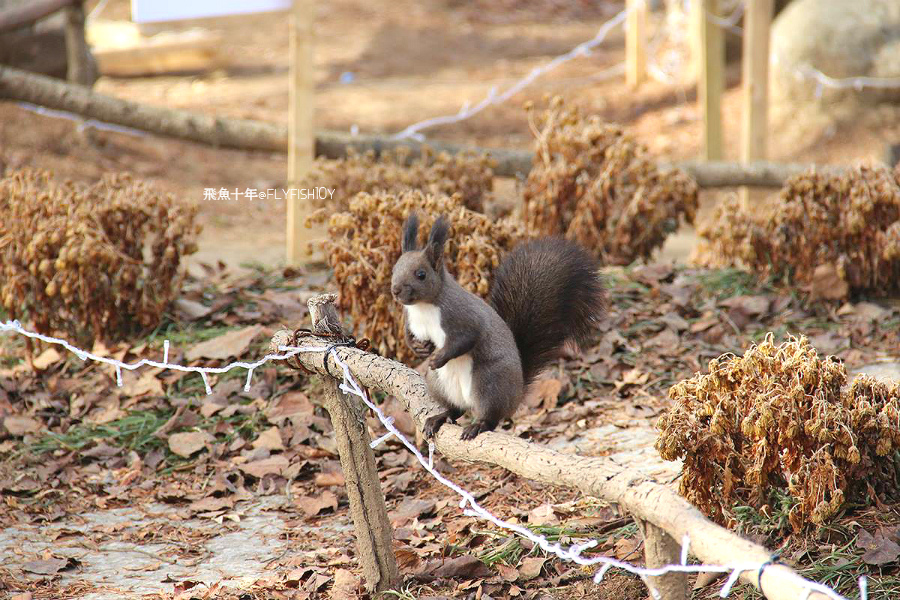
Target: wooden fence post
x=348, y=416
x=755, y=75
x=712, y=77
x=301, y=142
x=80, y=65
x=661, y=550
x=636, y=43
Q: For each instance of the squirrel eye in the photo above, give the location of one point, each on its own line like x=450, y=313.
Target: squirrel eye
x=420, y=274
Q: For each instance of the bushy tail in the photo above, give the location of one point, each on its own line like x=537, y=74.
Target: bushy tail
x=548, y=291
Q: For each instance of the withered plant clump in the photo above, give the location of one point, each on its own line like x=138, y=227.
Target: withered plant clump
x=595, y=184
x=93, y=262
x=836, y=231
x=467, y=174
x=364, y=244
x=780, y=418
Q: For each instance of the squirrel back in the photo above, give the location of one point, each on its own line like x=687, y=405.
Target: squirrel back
x=548, y=291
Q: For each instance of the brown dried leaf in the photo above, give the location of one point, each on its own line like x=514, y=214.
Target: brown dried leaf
x=211, y=503
x=269, y=439
x=134, y=385
x=507, y=573
x=346, y=585
x=289, y=405
x=20, y=425
x=192, y=310
x=827, y=283
x=274, y=465
x=626, y=548
x=531, y=567
x=545, y=393
x=231, y=344
x=879, y=548
x=49, y=566
x=46, y=358
x=466, y=566
x=186, y=443
x=313, y=505
x=543, y=515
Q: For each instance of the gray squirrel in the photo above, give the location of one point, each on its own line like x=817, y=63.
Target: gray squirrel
x=484, y=356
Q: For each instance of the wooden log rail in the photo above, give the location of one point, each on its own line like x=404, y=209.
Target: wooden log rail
x=29, y=12
x=246, y=134
x=665, y=516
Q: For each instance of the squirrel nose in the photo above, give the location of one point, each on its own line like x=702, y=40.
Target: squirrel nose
x=396, y=289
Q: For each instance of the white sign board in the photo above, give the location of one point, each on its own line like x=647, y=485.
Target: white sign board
x=149, y=11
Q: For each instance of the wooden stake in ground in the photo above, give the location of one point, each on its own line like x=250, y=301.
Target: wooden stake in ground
x=636, y=43
x=712, y=77
x=661, y=550
x=81, y=67
x=348, y=416
x=301, y=137
x=755, y=75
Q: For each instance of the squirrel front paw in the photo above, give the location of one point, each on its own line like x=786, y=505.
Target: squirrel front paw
x=432, y=424
x=472, y=431
x=437, y=361
x=421, y=348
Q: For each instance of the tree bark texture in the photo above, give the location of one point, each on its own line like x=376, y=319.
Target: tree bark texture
x=367, y=508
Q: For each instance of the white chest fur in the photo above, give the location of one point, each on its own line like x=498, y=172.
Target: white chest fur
x=455, y=377
x=425, y=323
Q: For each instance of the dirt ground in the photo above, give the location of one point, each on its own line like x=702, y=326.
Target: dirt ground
x=408, y=61
x=122, y=530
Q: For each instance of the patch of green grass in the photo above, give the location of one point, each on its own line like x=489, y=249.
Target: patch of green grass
x=730, y=282
x=136, y=431
x=510, y=550
x=132, y=432
x=774, y=521
x=184, y=335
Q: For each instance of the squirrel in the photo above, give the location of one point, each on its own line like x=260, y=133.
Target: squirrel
x=484, y=355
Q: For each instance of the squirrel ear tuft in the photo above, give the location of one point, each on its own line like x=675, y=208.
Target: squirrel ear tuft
x=436, y=239
x=410, y=233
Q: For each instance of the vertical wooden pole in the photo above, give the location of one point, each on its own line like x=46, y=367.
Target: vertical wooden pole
x=695, y=40
x=367, y=508
x=755, y=75
x=301, y=140
x=636, y=43
x=712, y=78
x=80, y=65
x=661, y=550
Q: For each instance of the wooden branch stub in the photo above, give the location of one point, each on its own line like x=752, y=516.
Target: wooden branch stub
x=661, y=550
x=367, y=508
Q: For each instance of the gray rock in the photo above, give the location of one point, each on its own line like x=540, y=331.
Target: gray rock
x=841, y=39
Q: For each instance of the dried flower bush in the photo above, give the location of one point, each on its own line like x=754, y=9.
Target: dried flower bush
x=467, y=174
x=832, y=233
x=780, y=417
x=364, y=244
x=97, y=261
x=597, y=185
